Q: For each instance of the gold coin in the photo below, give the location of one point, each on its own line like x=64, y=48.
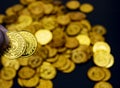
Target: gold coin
x=111, y=63
x=52, y=59
x=73, y=29
x=43, y=83
x=17, y=45
x=79, y=56
x=70, y=69
x=36, y=8
x=95, y=73
x=43, y=36
x=102, y=84
x=63, y=19
x=31, y=82
x=51, y=51
x=6, y=83
x=34, y=61
x=11, y=63
x=47, y=71
x=86, y=7
x=23, y=61
x=99, y=29
x=107, y=74
x=76, y=16
x=73, y=4
x=71, y=42
x=85, y=24
x=66, y=66
x=49, y=23
x=19, y=81
x=26, y=72
x=31, y=43
x=48, y=8
x=101, y=58
x=83, y=39
x=25, y=19
x=8, y=73
x=62, y=59
x=101, y=46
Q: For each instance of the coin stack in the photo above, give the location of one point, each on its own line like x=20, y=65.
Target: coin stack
x=47, y=36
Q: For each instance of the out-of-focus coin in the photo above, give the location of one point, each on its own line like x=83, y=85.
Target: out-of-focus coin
x=34, y=61
x=102, y=84
x=79, y=56
x=31, y=43
x=51, y=51
x=71, y=42
x=62, y=59
x=73, y=29
x=107, y=74
x=111, y=63
x=63, y=19
x=47, y=71
x=23, y=61
x=17, y=45
x=70, y=69
x=101, y=58
x=101, y=46
x=48, y=8
x=76, y=16
x=49, y=23
x=86, y=7
x=6, y=83
x=43, y=83
x=99, y=29
x=8, y=73
x=73, y=4
x=95, y=73
x=10, y=63
x=26, y=72
x=83, y=39
x=43, y=36
x=31, y=82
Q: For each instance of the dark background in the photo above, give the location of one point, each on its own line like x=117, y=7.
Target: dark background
x=106, y=13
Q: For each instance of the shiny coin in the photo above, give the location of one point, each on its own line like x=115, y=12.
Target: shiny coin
x=103, y=85
x=8, y=73
x=95, y=73
x=31, y=43
x=83, y=39
x=17, y=45
x=111, y=63
x=43, y=36
x=101, y=58
x=101, y=46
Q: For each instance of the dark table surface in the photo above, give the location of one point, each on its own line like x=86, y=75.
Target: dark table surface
x=106, y=13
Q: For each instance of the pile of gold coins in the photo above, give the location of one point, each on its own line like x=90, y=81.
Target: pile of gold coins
x=45, y=37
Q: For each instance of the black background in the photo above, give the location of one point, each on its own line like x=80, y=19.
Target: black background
x=106, y=13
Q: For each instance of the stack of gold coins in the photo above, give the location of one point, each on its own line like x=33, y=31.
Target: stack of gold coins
x=45, y=38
